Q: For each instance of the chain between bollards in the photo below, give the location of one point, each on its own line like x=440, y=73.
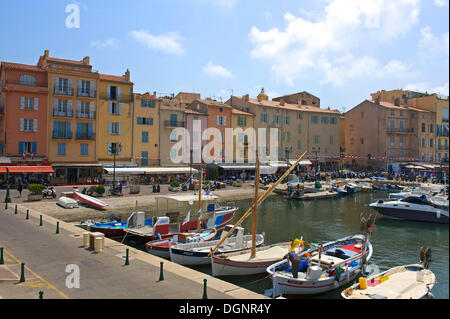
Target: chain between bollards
x=127, y=262
x=22, y=272
x=205, y=296
x=161, y=275
x=1, y=256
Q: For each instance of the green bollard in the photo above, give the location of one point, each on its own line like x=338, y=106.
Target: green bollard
x=28, y=217
x=57, y=227
x=40, y=220
x=41, y=294
x=205, y=296
x=1, y=256
x=22, y=273
x=15, y=210
x=127, y=262
x=6, y=205
x=161, y=275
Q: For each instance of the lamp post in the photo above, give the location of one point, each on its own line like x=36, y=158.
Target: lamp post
x=342, y=151
x=316, y=151
x=7, y=197
x=115, y=149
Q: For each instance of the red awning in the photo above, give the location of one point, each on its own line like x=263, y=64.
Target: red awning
x=30, y=169
x=2, y=169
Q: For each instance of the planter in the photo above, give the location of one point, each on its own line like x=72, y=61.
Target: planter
x=174, y=189
x=237, y=184
x=34, y=197
x=135, y=189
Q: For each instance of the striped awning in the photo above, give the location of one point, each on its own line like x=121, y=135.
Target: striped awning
x=30, y=169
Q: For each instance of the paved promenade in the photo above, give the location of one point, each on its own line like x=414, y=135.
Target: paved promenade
x=102, y=275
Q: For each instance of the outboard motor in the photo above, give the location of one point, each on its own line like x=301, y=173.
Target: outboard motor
x=425, y=257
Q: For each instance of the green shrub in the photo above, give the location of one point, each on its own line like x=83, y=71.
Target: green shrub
x=175, y=184
x=207, y=182
x=93, y=189
x=36, y=189
x=100, y=190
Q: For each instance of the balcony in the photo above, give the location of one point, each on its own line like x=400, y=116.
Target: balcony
x=400, y=130
x=85, y=136
x=62, y=136
x=61, y=114
x=27, y=83
x=63, y=91
x=90, y=115
x=123, y=98
x=89, y=93
x=170, y=124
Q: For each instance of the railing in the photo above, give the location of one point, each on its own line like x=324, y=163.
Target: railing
x=65, y=136
x=400, y=130
x=2, y=110
x=90, y=115
x=37, y=84
x=82, y=93
x=169, y=123
x=61, y=114
x=85, y=136
x=63, y=91
x=123, y=98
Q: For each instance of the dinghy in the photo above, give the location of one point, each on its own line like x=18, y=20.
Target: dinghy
x=89, y=200
x=67, y=202
x=160, y=248
x=403, y=282
x=339, y=263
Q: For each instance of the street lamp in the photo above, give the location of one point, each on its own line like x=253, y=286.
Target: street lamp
x=316, y=151
x=115, y=149
x=7, y=197
x=342, y=151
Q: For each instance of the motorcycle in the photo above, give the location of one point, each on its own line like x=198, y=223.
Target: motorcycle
x=49, y=193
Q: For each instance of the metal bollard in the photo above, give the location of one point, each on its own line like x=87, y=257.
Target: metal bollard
x=6, y=205
x=22, y=272
x=15, y=210
x=205, y=296
x=127, y=262
x=41, y=294
x=161, y=275
x=40, y=220
x=27, y=217
x=1, y=256
x=57, y=227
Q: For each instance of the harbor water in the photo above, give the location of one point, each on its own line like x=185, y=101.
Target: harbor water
x=395, y=242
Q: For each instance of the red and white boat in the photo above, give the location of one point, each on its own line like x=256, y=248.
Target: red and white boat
x=89, y=200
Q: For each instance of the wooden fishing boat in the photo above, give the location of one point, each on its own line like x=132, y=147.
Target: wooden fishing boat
x=402, y=282
x=199, y=253
x=160, y=248
x=89, y=200
x=339, y=263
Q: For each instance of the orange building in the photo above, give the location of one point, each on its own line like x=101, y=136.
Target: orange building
x=23, y=112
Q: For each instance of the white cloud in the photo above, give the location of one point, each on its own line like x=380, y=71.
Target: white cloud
x=327, y=43
x=106, y=43
x=215, y=70
x=440, y=3
x=431, y=45
x=428, y=87
x=226, y=3
x=169, y=42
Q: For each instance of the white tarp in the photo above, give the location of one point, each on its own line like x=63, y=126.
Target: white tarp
x=150, y=170
x=303, y=162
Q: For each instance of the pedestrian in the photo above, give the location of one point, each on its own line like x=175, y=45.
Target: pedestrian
x=120, y=186
x=294, y=259
x=20, y=188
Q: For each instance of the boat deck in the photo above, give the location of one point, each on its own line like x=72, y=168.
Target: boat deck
x=262, y=254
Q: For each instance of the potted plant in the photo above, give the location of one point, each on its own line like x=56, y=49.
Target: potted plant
x=135, y=188
x=99, y=190
x=237, y=183
x=174, y=186
x=35, y=192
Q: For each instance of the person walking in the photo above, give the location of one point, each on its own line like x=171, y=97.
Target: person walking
x=20, y=188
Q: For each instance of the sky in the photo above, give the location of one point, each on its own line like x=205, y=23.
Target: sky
x=338, y=50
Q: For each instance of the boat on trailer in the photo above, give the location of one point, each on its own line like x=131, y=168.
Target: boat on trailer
x=413, y=281
x=160, y=248
x=339, y=263
x=89, y=200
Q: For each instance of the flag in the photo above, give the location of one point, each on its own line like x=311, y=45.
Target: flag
x=295, y=243
x=188, y=216
x=199, y=212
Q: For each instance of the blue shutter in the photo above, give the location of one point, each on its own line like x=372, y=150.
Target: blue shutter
x=67, y=130
x=78, y=130
x=34, y=148
x=20, y=147
x=55, y=128
x=151, y=121
x=90, y=130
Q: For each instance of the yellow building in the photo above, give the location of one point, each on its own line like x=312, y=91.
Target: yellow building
x=430, y=102
x=242, y=120
x=72, y=114
x=115, y=112
x=146, y=129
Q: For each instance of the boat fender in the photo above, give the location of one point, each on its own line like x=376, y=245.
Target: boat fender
x=158, y=236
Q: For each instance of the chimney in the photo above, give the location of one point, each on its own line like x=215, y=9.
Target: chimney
x=282, y=102
x=154, y=94
x=300, y=101
x=245, y=97
x=127, y=75
x=86, y=60
x=406, y=103
x=46, y=54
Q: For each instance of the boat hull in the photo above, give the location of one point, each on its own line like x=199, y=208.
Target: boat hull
x=89, y=200
x=411, y=215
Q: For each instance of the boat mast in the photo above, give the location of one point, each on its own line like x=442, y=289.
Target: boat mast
x=200, y=197
x=255, y=208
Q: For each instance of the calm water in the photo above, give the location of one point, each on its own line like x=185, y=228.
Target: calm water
x=394, y=242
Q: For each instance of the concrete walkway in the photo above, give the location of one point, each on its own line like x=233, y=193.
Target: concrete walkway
x=102, y=275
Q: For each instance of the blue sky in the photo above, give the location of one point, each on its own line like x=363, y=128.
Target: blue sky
x=338, y=50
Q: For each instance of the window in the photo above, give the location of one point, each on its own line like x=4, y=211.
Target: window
x=61, y=129
x=430, y=128
x=61, y=148
x=277, y=119
x=423, y=142
x=82, y=109
x=60, y=108
x=401, y=141
x=287, y=136
x=331, y=139
x=314, y=119
x=115, y=108
x=144, y=158
x=423, y=127
x=113, y=92
x=26, y=103
x=299, y=128
x=299, y=144
x=115, y=128
x=400, y=154
x=27, y=80
x=392, y=124
x=401, y=113
x=242, y=121
x=362, y=141
x=352, y=141
x=144, y=137
x=316, y=139
x=84, y=88
x=362, y=115
x=392, y=113
x=84, y=149
x=264, y=117
x=431, y=142
x=148, y=103
x=28, y=125
x=221, y=120
x=402, y=124
x=324, y=119
x=145, y=120
x=392, y=141
x=287, y=120
x=333, y=120
x=84, y=131
x=114, y=148
x=299, y=116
